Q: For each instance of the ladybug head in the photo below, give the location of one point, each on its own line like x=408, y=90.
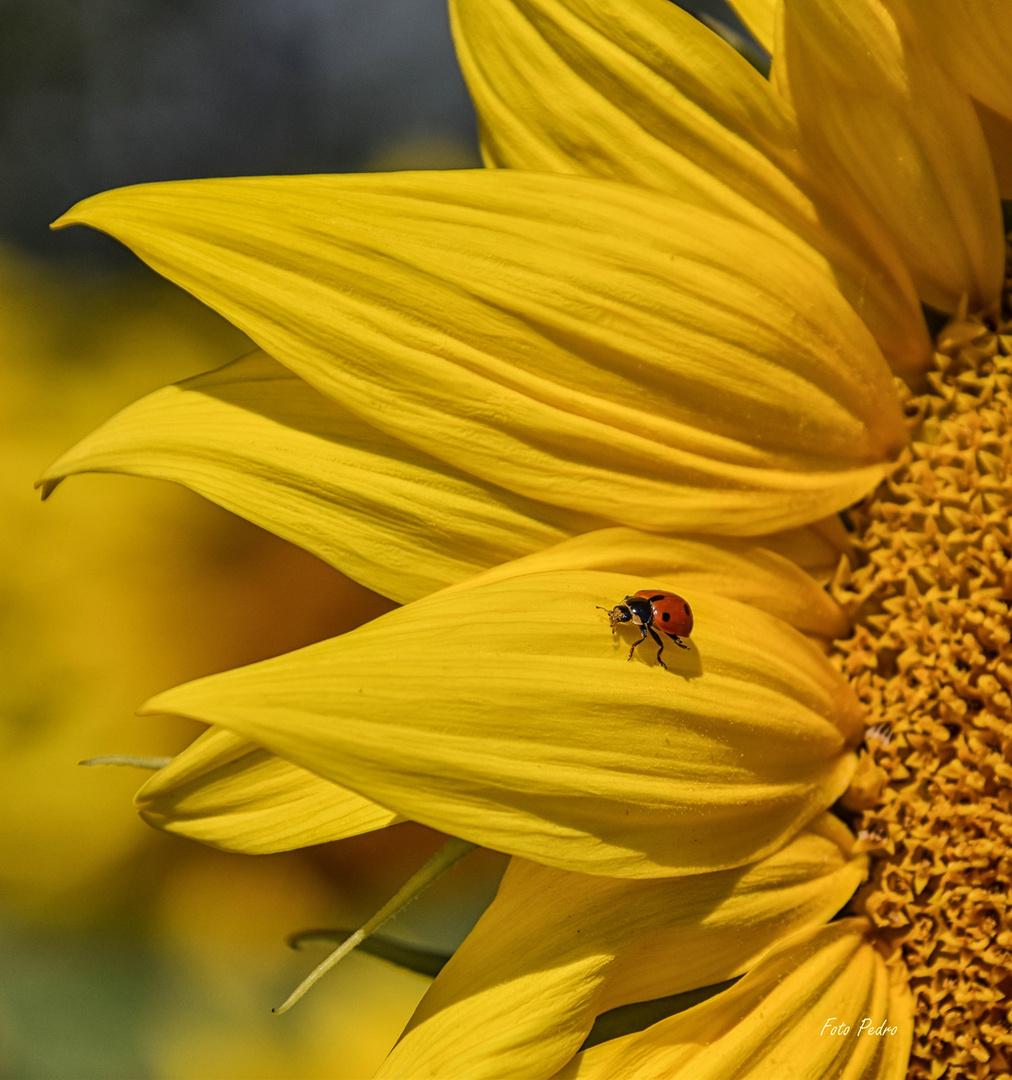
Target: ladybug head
x=618, y=614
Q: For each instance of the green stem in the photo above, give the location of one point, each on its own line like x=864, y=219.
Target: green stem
x=451, y=852
x=128, y=759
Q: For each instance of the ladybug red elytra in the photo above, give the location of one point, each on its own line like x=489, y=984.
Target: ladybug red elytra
x=652, y=610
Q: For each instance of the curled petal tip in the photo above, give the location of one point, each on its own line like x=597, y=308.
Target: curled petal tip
x=46, y=485
x=69, y=218
x=151, y=707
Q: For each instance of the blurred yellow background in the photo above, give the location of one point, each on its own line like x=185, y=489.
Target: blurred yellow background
x=125, y=952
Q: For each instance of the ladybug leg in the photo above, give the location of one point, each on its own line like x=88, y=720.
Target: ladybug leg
x=660, y=646
x=643, y=637
x=678, y=641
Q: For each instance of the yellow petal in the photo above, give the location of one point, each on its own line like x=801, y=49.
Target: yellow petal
x=264, y=444
x=644, y=93
x=555, y=949
x=815, y=548
x=778, y=1021
x=973, y=41
x=760, y=17
x=584, y=343
x=737, y=569
x=508, y=715
x=998, y=132
x=871, y=93
x=230, y=794
x=641, y=92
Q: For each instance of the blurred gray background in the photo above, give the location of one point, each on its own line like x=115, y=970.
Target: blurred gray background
x=100, y=93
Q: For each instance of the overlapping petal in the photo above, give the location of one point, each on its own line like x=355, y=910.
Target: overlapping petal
x=868, y=91
x=555, y=949
x=564, y=368
x=760, y=17
x=972, y=39
x=263, y=443
x=580, y=342
x=230, y=794
x=998, y=132
x=816, y=548
x=777, y=1021
x=644, y=93
x=738, y=569
x=508, y=715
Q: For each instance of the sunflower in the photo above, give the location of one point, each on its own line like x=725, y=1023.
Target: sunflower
x=677, y=325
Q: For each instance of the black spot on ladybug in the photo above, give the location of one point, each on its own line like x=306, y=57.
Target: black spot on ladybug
x=645, y=609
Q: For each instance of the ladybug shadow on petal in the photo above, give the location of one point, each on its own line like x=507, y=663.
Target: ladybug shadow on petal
x=660, y=617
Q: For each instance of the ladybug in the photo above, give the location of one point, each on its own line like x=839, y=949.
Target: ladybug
x=652, y=610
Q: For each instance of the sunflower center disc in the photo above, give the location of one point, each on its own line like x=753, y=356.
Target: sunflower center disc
x=930, y=591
